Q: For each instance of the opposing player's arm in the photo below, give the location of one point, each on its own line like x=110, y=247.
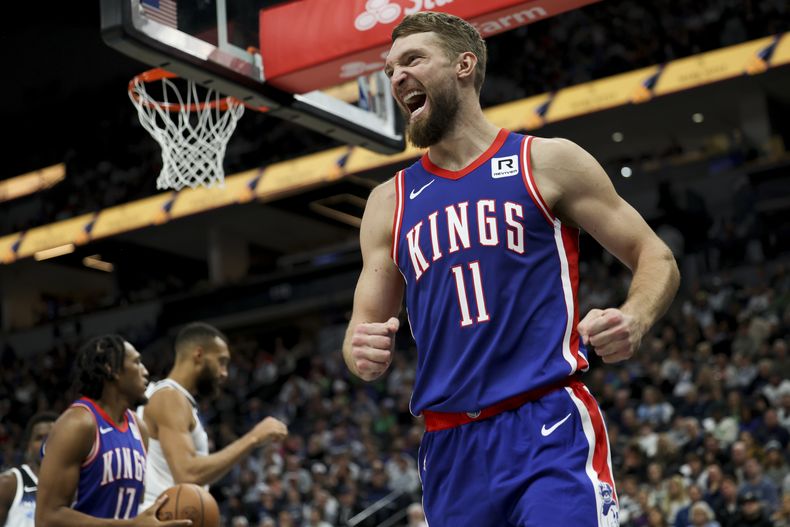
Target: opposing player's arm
x=7, y=494
x=587, y=198
x=144, y=433
x=367, y=348
x=173, y=416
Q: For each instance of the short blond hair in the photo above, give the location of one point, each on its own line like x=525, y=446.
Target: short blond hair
x=456, y=35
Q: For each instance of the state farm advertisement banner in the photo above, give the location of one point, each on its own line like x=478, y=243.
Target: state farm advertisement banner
x=313, y=44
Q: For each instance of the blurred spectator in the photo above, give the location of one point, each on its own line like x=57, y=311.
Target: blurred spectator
x=315, y=519
x=653, y=409
x=781, y=517
x=776, y=467
x=750, y=514
x=684, y=516
x=676, y=498
x=702, y=515
x=738, y=457
x=402, y=473
x=656, y=518
x=757, y=484
x=770, y=429
x=240, y=521
x=349, y=506
x=728, y=507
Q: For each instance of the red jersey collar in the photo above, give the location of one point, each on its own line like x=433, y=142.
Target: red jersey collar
x=123, y=426
x=428, y=165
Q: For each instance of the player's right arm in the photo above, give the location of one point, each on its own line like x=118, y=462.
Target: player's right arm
x=7, y=494
x=68, y=445
x=370, y=338
x=172, y=414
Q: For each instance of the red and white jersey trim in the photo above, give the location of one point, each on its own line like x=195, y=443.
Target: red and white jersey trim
x=397, y=219
x=566, y=239
x=96, y=442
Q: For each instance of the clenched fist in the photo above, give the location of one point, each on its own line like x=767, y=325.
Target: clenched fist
x=372, y=344
x=269, y=429
x=614, y=335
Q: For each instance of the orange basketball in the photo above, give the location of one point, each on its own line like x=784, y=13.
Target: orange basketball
x=190, y=502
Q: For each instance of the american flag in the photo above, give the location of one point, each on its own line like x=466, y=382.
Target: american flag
x=162, y=11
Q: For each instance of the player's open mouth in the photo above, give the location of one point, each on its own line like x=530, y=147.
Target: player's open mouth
x=415, y=101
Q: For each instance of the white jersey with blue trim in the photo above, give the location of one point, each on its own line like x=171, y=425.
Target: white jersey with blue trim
x=158, y=476
x=22, y=512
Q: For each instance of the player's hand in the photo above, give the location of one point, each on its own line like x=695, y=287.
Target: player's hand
x=372, y=344
x=270, y=429
x=148, y=517
x=613, y=334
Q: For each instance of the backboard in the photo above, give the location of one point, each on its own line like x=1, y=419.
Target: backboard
x=216, y=42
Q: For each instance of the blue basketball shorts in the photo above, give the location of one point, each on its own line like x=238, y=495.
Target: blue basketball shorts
x=545, y=463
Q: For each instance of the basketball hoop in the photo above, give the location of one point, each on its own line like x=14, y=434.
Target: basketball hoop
x=192, y=129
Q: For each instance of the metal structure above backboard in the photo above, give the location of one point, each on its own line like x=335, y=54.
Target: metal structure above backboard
x=214, y=45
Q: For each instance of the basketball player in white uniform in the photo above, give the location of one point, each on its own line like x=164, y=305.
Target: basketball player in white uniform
x=18, y=486
x=158, y=475
x=178, y=443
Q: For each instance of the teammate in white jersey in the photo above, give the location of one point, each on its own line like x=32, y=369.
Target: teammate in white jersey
x=18, y=486
x=178, y=444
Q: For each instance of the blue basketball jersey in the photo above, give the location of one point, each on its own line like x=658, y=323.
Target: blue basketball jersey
x=491, y=280
x=111, y=478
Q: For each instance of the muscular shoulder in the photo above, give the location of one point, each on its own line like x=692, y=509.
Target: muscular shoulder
x=560, y=157
x=376, y=225
x=76, y=420
x=565, y=171
x=7, y=488
x=73, y=433
x=383, y=195
x=167, y=398
x=168, y=407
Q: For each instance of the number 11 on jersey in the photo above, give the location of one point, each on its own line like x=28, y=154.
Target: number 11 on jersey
x=477, y=284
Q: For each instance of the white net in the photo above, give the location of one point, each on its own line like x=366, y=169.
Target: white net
x=192, y=128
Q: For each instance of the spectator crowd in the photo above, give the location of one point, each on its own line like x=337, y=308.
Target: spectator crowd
x=699, y=419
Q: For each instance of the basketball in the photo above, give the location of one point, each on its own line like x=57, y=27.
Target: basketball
x=190, y=502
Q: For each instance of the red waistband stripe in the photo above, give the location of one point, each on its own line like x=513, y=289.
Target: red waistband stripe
x=435, y=421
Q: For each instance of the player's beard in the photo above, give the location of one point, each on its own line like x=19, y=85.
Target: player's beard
x=429, y=130
x=207, y=383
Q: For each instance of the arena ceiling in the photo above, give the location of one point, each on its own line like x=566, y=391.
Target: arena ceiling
x=64, y=68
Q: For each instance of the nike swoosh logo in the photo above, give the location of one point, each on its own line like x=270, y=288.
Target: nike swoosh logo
x=548, y=431
x=500, y=176
x=30, y=489
x=414, y=193
x=103, y=430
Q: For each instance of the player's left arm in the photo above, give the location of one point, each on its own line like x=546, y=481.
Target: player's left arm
x=7, y=494
x=586, y=197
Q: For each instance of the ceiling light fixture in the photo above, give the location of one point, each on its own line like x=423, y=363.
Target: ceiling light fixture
x=54, y=252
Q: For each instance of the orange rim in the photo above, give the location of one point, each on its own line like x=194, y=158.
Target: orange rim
x=158, y=74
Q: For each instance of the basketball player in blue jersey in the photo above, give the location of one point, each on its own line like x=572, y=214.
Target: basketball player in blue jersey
x=482, y=236
x=18, y=485
x=94, y=459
